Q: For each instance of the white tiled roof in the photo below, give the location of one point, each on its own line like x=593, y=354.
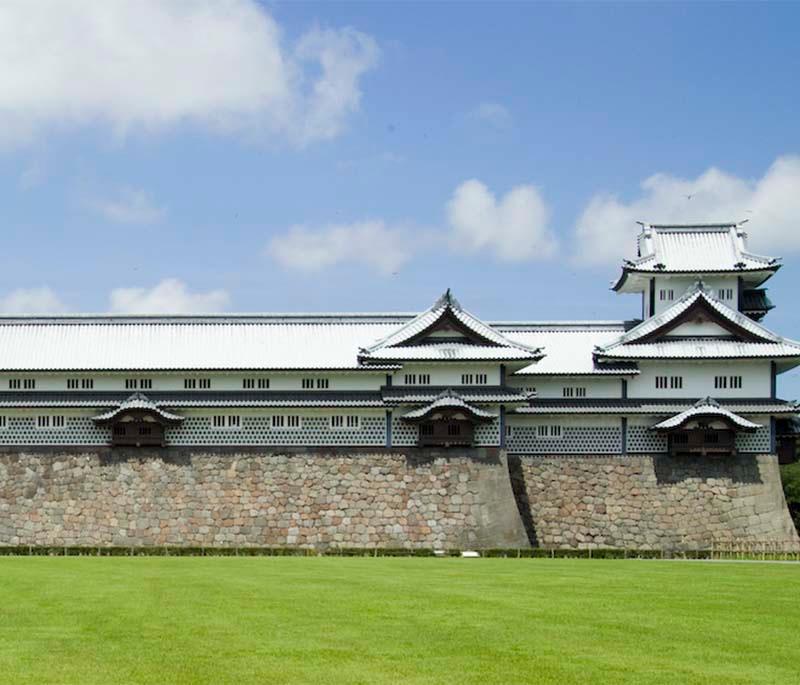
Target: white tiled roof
x=705, y=407
x=697, y=249
x=703, y=348
x=138, y=401
x=496, y=345
x=449, y=400
x=568, y=347
x=204, y=343
x=627, y=347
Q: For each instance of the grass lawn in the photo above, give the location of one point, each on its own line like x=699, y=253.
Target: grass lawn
x=365, y=620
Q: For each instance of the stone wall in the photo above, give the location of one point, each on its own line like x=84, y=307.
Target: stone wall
x=652, y=501
x=402, y=497
x=256, y=497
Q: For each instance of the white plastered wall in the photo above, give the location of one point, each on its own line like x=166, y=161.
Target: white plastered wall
x=698, y=379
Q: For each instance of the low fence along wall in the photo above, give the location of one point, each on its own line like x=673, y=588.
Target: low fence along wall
x=384, y=498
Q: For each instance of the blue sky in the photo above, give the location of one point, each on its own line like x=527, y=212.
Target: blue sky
x=335, y=156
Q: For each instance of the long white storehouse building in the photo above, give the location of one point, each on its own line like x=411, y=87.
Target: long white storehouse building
x=696, y=374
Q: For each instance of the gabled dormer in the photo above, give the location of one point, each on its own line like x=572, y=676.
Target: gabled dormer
x=699, y=326
x=446, y=332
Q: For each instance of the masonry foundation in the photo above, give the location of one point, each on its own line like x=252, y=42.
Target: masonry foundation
x=404, y=497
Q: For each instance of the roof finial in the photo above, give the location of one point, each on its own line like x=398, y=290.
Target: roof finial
x=448, y=300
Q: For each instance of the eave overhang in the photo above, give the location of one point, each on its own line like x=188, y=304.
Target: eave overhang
x=138, y=404
x=197, y=399
x=396, y=395
x=753, y=276
x=652, y=406
x=449, y=402
x=706, y=409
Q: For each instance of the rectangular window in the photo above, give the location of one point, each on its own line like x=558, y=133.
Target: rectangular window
x=481, y=379
x=190, y=383
x=14, y=383
x=131, y=384
x=47, y=421
x=228, y=421
x=509, y=431
x=75, y=383
x=426, y=429
x=29, y=383
x=350, y=421
x=467, y=379
x=146, y=383
x=3, y=422
x=580, y=392
x=569, y=391
x=417, y=379
x=736, y=382
x=204, y=383
x=308, y=383
x=666, y=295
x=676, y=382
x=725, y=293
x=661, y=382
x=252, y=383
x=720, y=382
x=323, y=383
x=280, y=421
x=552, y=431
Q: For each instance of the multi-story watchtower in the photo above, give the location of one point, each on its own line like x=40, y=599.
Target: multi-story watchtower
x=672, y=257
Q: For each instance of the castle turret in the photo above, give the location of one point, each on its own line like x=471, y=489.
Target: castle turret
x=671, y=258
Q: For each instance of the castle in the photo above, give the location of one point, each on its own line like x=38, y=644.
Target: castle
x=435, y=429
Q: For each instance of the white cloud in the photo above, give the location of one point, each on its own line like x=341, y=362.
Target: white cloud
x=492, y=113
x=40, y=300
x=130, y=206
x=512, y=228
x=606, y=229
x=369, y=243
x=170, y=296
x=149, y=64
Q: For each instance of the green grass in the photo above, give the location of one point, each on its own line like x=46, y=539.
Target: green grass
x=364, y=620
